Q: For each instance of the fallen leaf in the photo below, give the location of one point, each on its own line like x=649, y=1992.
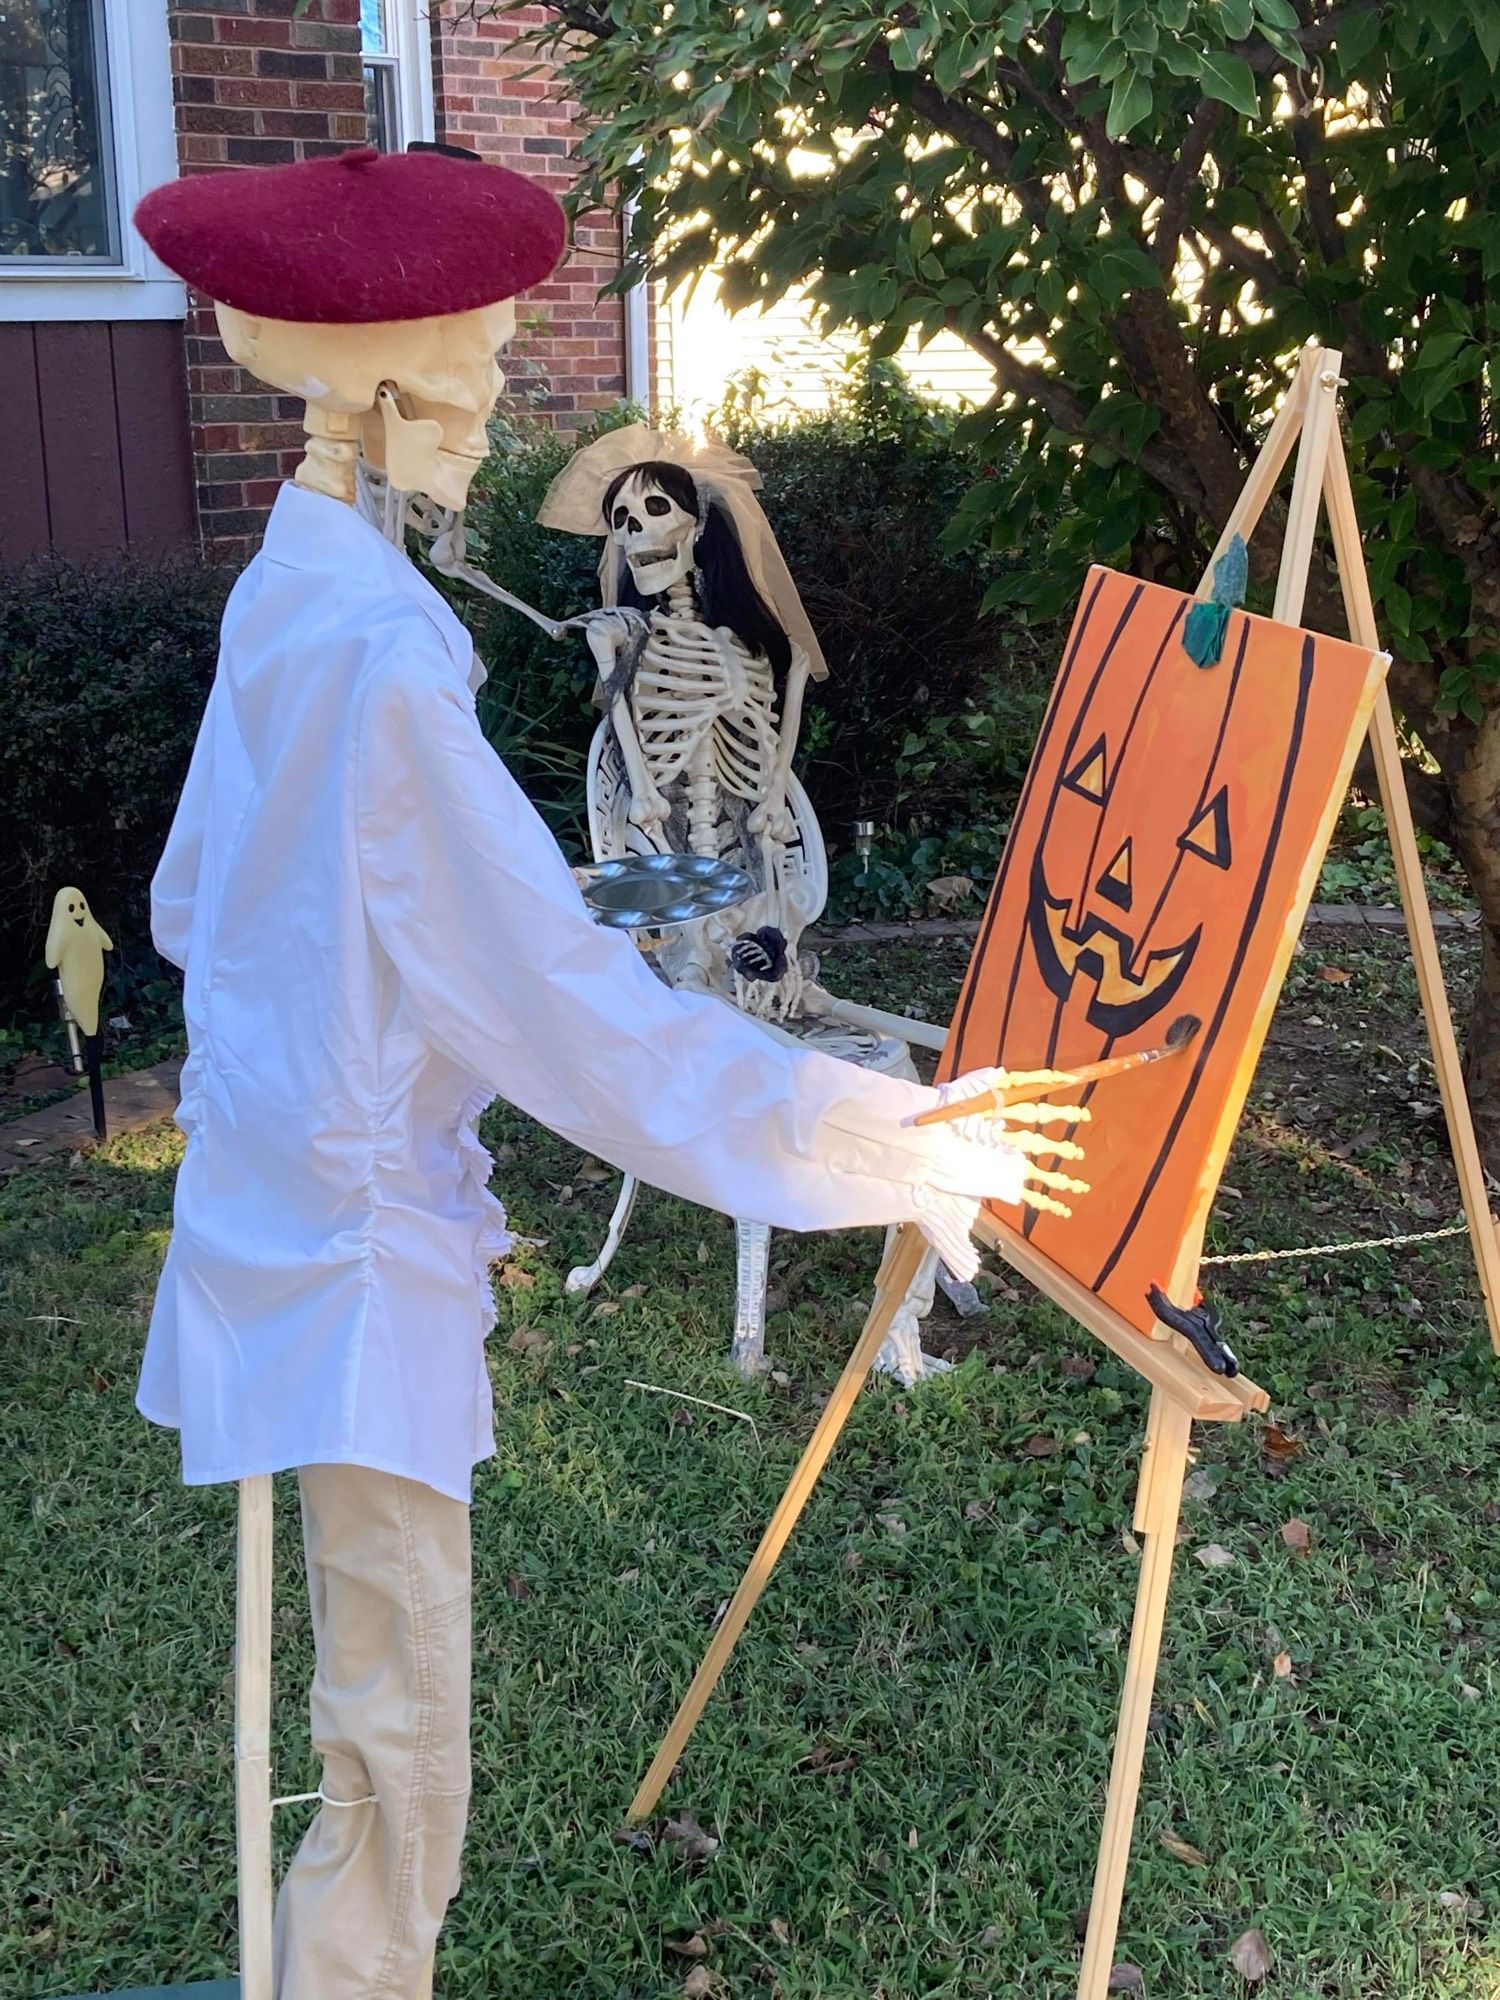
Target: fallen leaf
x=1129, y=1543
x=517, y=1587
x=627, y=1576
x=1334, y=975
x=694, y=1947
x=1079, y=1367
x=1126, y=1978
x=852, y=1560
x=1281, y=1666
x=1277, y=1450
x=1040, y=1446
x=1297, y=1535
x=701, y=1984
x=525, y=1338
x=824, y=1756
x=781, y=1930
x=636, y=1838
x=633, y=1292
x=703, y=1253
x=1202, y=1484
x=1213, y=1555
x=594, y=1171
x=1469, y=1906
x=1250, y=1956
x=893, y=1525
x=604, y=1308
x=692, y=1841
x=515, y=1279
x=950, y=889
x=780, y=1377
x=911, y=1837
x=978, y=1510
x=1183, y=1849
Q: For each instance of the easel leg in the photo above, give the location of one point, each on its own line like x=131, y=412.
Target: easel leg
x=1163, y=1470
x=252, y=1735
x=900, y=1267
x=1446, y=1061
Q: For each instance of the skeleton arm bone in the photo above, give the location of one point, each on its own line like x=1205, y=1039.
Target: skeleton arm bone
x=507, y=974
x=772, y=808
x=648, y=809
x=447, y=556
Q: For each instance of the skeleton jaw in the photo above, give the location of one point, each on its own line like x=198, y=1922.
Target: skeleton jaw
x=654, y=571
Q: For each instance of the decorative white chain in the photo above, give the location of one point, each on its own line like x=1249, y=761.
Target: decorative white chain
x=1339, y=1249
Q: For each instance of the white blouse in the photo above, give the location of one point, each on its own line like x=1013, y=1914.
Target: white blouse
x=378, y=935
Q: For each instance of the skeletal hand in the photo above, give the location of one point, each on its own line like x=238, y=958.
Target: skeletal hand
x=1023, y=1128
x=771, y=817
x=650, y=811
x=607, y=631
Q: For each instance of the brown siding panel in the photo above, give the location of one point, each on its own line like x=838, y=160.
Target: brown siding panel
x=24, y=526
x=98, y=452
x=79, y=437
x=156, y=453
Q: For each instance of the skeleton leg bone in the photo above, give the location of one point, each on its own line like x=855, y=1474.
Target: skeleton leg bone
x=584, y=1277
x=747, y=1352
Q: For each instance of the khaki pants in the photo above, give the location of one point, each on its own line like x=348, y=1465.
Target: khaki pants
x=388, y=1579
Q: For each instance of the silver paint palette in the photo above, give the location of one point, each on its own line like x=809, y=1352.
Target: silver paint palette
x=653, y=891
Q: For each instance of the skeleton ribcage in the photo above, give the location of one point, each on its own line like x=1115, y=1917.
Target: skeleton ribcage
x=704, y=707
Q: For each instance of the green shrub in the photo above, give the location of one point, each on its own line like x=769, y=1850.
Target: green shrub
x=103, y=675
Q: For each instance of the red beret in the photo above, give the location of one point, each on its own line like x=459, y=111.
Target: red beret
x=356, y=237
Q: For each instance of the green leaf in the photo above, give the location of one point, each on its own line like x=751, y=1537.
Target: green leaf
x=1236, y=18
x=1439, y=350
x=1278, y=14
x=1129, y=103
x=1355, y=38
x=1229, y=80
x=1485, y=21
x=1124, y=267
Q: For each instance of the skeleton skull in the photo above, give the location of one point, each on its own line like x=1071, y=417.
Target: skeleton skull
x=653, y=532
x=419, y=391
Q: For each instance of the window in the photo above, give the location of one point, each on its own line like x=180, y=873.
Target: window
x=56, y=160
x=394, y=36
x=86, y=126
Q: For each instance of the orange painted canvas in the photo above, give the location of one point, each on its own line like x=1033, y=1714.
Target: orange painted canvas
x=1165, y=849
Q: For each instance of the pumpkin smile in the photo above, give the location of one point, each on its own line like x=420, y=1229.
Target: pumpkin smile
x=1126, y=994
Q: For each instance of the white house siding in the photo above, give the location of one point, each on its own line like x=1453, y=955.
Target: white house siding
x=701, y=348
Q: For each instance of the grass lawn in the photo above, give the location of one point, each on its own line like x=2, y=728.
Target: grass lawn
x=905, y=1766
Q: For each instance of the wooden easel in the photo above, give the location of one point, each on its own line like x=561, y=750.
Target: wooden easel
x=1182, y=1388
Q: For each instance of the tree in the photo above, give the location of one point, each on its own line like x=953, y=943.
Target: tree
x=1135, y=211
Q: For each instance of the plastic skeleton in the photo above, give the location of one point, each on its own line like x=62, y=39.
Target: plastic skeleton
x=697, y=753
x=707, y=758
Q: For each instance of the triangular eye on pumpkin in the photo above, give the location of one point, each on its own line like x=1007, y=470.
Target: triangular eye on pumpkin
x=1208, y=835
x=1089, y=777
x=1115, y=885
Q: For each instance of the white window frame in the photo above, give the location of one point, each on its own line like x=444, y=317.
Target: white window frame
x=143, y=127
x=409, y=24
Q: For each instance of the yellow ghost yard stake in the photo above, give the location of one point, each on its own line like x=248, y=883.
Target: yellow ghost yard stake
x=75, y=955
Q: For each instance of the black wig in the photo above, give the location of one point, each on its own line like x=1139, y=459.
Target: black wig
x=726, y=592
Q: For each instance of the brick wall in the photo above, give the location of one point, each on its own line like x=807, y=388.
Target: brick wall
x=257, y=84
x=569, y=357
x=254, y=85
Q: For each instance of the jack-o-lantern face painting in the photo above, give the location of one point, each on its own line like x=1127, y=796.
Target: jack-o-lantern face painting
x=1161, y=862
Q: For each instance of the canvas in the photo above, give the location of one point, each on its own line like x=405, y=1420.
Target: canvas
x=1162, y=858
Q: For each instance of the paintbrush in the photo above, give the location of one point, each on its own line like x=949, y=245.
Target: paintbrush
x=1041, y=1083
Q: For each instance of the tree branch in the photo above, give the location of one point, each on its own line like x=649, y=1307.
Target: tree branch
x=973, y=129
x=1179, y=184
x=1067, y=409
